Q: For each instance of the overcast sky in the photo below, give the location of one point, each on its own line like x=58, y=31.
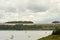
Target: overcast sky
x=38, y=11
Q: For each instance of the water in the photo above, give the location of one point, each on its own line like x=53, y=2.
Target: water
x=23, y=35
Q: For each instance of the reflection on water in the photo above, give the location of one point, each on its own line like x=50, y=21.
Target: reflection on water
x=12, y=37
x=23, y=35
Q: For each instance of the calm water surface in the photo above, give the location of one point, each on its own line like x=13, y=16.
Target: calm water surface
x=23, y=35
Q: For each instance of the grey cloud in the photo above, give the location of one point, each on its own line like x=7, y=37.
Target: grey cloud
x=13, y=9
x=32, y=10
x=8, y=9
x=1, y=16
x=38, y=5
x=31, y=5
x=54, y=10
x=51, y=20
x=38, y=8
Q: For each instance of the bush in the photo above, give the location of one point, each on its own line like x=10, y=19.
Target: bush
x=55, y=22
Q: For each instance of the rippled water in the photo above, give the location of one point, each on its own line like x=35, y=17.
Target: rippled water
x=23, y=35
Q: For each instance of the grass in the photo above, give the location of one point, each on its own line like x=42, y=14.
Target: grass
x=54, y=36
x=51, y=37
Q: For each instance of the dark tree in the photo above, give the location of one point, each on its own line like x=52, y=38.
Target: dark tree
x=20, y=22
x=56, y=32
x=56, y=22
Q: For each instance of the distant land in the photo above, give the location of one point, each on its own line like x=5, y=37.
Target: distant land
x=21, y=22
x=28, y=25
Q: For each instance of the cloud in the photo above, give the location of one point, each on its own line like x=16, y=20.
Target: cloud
x=38, y=11
x=53, y=13
x=38, y=5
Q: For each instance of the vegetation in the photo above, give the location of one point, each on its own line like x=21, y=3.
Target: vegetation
x=16, y=25
x=56, y=22
x=56, y=32
x=29, y=26
x=54, y=36
x=51, y=37
x=20, y=22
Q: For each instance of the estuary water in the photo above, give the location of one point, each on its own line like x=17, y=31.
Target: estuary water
x=24, y=35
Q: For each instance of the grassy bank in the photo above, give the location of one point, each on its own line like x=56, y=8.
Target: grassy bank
x=51, y=37
x=54, y=36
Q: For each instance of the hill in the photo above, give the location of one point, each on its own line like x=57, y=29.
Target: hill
x=20, y=22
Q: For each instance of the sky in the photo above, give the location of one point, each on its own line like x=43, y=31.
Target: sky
x=38, y=11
